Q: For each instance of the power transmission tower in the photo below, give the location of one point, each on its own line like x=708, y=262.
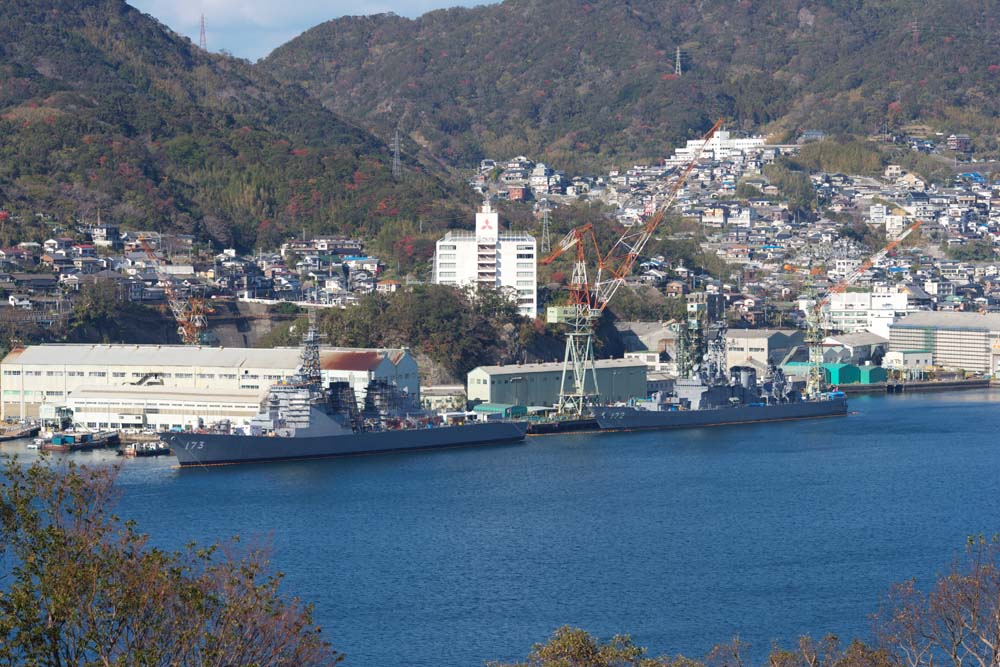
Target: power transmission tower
x=546, y=237
x=396, y=169
x=678, y=70
x=203, y=39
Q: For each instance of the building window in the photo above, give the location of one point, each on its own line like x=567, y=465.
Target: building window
x=98, y=374
x=12, y=373
x=118, y=374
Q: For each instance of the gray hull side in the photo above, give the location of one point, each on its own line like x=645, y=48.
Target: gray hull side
x=193, y=449
x=611, y=418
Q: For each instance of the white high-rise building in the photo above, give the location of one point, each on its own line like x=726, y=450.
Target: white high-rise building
x=506, y=261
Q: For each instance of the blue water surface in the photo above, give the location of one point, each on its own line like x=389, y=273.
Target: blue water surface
x=683, y=539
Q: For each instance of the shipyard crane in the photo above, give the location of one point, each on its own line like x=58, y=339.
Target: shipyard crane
x=589, y=299
x=815, y=329
x=190, y=313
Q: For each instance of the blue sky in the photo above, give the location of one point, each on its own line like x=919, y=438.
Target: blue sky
x=252, y=28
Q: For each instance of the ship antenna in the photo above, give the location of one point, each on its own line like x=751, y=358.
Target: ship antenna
x=310, y=352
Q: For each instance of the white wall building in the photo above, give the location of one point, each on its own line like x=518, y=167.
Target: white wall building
x=486, y=257
x=722, y=146
x=873, y=311
x=968, y=341
x=50, y=375
x=160, y=408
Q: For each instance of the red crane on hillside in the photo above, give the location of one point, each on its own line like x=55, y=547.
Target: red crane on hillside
x=589, y=299
x=189, y=312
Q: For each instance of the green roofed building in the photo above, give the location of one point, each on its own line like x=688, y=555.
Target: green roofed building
x=538, y=384
x=838, y=374
x=843, y=373
x=872, y=374
x=505, y=410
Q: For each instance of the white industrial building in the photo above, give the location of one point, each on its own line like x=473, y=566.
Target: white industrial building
x=486, y=257
x=538, y=384
x=159, y=408
x=872, y=311
x=51, y=375
x=967, y=341
x=721, y=146
x=760, y=347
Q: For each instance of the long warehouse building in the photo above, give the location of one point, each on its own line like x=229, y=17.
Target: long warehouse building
x=538, y=384
x=51, y=375
x=969, y=341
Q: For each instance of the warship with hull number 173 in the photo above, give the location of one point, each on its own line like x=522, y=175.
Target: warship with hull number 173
x=300, y=419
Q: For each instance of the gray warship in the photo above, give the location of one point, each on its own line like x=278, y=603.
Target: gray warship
x=300, y=419
x=707, y=393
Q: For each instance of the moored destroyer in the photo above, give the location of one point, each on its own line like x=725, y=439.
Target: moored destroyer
x=300, y=419
x=706, y=395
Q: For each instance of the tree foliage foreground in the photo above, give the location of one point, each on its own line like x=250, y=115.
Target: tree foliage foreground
x=955, y=623
x=79, y=586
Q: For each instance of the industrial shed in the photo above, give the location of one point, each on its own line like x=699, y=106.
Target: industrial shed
x=538, y=384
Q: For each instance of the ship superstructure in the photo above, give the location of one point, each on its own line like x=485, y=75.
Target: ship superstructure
x=300, y=419
x=706, y=393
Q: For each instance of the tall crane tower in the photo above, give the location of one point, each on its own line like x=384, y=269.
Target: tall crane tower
x=190, y=312
x=589, y=299
x=816, y=327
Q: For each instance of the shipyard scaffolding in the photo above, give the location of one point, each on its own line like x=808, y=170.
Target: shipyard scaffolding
x=589, y=300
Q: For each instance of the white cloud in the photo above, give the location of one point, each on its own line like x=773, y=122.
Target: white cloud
x=252, y=28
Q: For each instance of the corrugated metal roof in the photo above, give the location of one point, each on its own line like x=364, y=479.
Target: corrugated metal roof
x=556, y=366
x=187, y=356
x=950, y=320
x=158, y=355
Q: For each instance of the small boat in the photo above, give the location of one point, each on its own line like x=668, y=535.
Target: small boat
x=80, y=441
x=154, y=448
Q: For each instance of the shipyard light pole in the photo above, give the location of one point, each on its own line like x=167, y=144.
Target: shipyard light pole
x=588, y=300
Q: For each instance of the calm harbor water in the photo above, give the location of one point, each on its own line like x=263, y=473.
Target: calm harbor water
x=683, y=539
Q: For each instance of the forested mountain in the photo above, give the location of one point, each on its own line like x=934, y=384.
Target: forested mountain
x=584, y=83
x=102, y=107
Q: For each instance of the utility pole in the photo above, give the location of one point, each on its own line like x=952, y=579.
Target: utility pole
x=203, y=38
x=546, y=236
x=396, y=169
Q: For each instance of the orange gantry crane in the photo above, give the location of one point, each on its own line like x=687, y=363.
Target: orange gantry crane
x=190, y=312
x=590, y=299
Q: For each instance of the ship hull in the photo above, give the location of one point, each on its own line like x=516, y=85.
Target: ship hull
x=199, y=449
x=627, y=419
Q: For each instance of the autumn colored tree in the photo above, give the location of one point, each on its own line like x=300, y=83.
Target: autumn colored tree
x=956, y=623
x=572, y=647
x=78, y=586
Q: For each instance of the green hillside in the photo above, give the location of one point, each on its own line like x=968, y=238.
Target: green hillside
x=582, y=84
x=103, y=108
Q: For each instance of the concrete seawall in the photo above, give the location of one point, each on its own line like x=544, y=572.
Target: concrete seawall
x=909, y=387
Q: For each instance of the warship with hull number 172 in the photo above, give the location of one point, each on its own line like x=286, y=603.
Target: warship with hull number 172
x=709, y=394
x=300, y=420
